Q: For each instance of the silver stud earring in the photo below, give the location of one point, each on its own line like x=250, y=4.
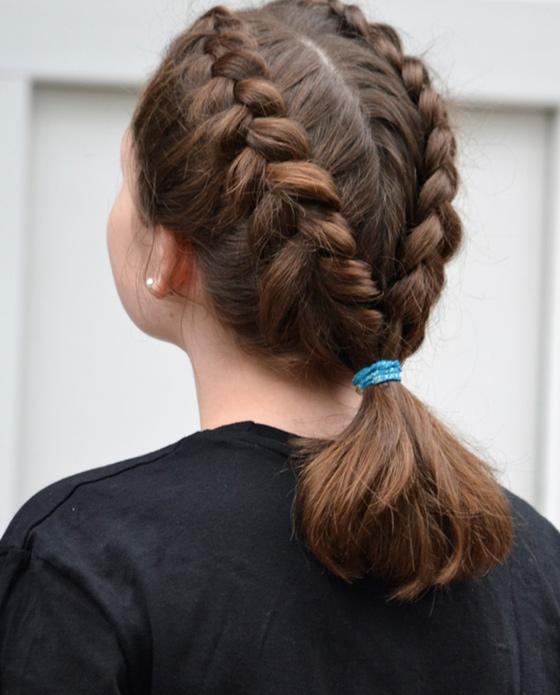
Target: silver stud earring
x=150, y=282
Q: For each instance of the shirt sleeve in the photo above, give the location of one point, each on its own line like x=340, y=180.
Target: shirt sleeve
x=53, y=636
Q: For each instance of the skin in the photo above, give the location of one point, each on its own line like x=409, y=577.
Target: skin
x=230, y=387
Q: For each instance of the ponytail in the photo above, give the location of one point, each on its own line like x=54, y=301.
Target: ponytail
x=398, y=495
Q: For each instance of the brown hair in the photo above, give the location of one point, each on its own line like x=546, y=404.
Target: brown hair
x=310, y=165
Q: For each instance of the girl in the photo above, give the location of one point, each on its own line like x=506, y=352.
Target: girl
x=285, y=219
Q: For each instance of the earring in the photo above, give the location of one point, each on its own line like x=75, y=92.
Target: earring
x=151, y=285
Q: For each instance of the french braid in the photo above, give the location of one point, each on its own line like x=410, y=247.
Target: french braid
x=295, y=226
x=436, y=232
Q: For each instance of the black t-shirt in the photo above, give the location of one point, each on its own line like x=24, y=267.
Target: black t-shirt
x=177, y=572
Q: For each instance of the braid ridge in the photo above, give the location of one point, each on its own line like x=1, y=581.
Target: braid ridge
x=299, y=238
x=436, y=232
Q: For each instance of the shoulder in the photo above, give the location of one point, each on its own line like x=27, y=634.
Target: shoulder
x=44, y=505
x=131, y=503
x=57, y=554
x=65, y=572
x=536, y=544
x=529, y=520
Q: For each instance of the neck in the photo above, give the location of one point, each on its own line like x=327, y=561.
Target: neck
x=231, y=387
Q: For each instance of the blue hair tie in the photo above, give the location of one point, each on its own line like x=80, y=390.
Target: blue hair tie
x=377, y=373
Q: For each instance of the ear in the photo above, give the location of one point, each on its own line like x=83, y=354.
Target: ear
x=173, y=262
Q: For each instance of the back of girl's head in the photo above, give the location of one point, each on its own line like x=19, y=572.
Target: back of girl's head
x=310, y=165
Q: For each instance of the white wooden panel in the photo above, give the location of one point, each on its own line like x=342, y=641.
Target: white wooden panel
x=482, y=354
x=549, y=439
x=15, y=97
x=97, y=389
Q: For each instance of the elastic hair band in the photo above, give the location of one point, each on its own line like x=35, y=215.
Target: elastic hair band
x=377, y=373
